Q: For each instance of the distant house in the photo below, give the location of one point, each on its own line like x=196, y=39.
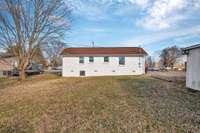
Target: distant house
x=193, y=66
x=100, y=61
x=5, y=68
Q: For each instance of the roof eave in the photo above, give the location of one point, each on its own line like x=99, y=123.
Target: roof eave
x=191, y=47
x=144, y=54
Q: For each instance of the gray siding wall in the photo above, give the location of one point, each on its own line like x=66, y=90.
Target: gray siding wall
x=193, y=69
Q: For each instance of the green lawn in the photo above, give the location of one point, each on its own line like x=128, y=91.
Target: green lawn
x=53, y=104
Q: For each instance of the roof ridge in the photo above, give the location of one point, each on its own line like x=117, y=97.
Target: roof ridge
x=103, y=47
x=104, y=50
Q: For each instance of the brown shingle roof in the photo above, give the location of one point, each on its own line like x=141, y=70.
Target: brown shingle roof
x=105, y=50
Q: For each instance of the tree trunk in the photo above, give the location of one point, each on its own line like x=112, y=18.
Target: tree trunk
x=22, y=74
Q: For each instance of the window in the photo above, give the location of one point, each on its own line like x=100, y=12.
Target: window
x=82, y=73
x=4, y=73
x=106, y=59
x=7, y=73
x=121, y=60
x=81, y=59
x=91, y=59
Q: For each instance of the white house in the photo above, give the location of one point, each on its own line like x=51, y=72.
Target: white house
x=193, y=67
x=103, y=61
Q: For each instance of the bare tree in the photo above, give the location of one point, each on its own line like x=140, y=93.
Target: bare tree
x=26, y=24
x=53, y=51
x=169, y=55
x=150, y=61
x=39, y=58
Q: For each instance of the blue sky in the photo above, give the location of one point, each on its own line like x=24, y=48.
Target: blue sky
x=151, y=24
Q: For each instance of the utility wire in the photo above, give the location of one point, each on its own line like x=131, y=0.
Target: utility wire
x=80, y=45
x=92, y=45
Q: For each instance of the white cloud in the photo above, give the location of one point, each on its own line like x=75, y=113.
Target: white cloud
x=182, y=38
x=155, y=38
x=161, y=8
x=141, y=3
x=197, y=5
x=153, y=14
x=98, y=9
x=95, y=30
x=163, y=14
x=158, y=23
x=89, y=10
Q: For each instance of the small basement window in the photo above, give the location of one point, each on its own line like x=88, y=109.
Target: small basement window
x=82, y=73
x=106, y=59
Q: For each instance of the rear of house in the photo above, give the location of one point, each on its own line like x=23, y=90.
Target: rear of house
x=193, y=67
x=103, y=61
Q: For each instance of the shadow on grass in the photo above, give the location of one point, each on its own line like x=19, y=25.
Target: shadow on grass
x=167, y=104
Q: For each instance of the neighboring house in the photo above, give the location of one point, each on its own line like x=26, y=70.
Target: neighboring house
x=104, y=61
x=193, y=66
x=10, y=58
x=5, y=68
